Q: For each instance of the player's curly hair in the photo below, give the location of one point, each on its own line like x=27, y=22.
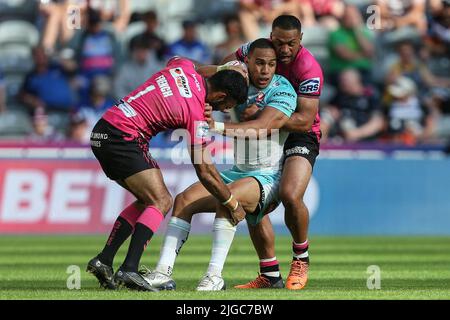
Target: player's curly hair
x=232, y=83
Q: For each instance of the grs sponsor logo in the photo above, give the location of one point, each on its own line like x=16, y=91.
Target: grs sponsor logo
x=310, y=86
x=181, y=81
x=284, y=94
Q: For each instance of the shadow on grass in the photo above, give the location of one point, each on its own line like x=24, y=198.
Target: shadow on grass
x=183, y=284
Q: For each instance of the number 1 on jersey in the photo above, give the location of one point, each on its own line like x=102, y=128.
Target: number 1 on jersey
x=141, y=93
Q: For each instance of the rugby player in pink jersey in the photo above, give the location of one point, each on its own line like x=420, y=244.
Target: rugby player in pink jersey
x=301, y=149
x=172, y=98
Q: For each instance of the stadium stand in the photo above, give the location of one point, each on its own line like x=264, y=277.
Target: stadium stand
x=22, y=28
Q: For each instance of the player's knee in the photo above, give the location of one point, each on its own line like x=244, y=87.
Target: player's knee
x=181, y=206
x=163, y=202
x=289, y=198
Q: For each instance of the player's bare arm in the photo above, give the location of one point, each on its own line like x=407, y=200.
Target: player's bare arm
x=210, y=178
x=268, y=119
x=303, y=118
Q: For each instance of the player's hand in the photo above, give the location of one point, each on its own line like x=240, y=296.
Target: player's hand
x=208, y=113
x=249, y=113
x=238, y=66
x=237, y=215
x=242, y=69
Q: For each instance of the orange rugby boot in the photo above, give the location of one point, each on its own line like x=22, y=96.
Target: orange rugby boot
x=298, y=276
x=262, y=282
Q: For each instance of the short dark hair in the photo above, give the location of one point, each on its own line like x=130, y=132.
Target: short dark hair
x=232, y=83
x=261, y=43
x=150, y=15
x=139, y=43
x=287, y=22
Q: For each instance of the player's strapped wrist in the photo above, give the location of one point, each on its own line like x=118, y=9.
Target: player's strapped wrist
x=219, y=127
x=222, y=67
x=228, y=201
x=229, y=204
x=228, y=65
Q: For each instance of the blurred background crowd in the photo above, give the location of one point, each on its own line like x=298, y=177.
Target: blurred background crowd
x=64, y=62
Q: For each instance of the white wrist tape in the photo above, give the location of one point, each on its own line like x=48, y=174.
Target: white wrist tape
x=228, y=201
x=219, y=127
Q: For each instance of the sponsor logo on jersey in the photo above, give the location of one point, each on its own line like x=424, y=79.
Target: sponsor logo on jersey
x=297, y=150
x=310, y=86
x=127, y=110
x=284, y=103
x=284, y=94
x=197, y=84
x=181, y=82
x=260, y=97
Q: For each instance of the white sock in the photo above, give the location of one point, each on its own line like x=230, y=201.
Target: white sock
x=223, y=234
x=176, y=235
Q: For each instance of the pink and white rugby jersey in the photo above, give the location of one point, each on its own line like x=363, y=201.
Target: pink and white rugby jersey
x=304, y=73
x=172, y=98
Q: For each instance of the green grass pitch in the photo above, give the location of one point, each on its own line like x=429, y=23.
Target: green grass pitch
x=34, y=267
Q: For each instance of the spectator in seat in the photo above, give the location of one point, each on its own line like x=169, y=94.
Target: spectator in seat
x=137, y=69
x=234, y=39
x=438, y=104
x=396, y=14
x=409, y=65
x=60, y=21
x=149, y=35
x=189, y=46
x=99, y=101
x=408, y=120
x=355, y=112
x=351, y=46
x=97, y=50
x=79, y=131
x=43, y=132
x=438, y=38
x=325, y=12
x=252, y=13
x=47, y=86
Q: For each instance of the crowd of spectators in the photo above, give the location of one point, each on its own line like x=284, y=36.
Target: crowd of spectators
x=387, y=84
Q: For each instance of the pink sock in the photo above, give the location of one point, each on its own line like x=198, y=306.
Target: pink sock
x=131, y=214
x=151, y=218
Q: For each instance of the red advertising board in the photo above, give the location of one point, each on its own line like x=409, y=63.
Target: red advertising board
x=46, y=196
